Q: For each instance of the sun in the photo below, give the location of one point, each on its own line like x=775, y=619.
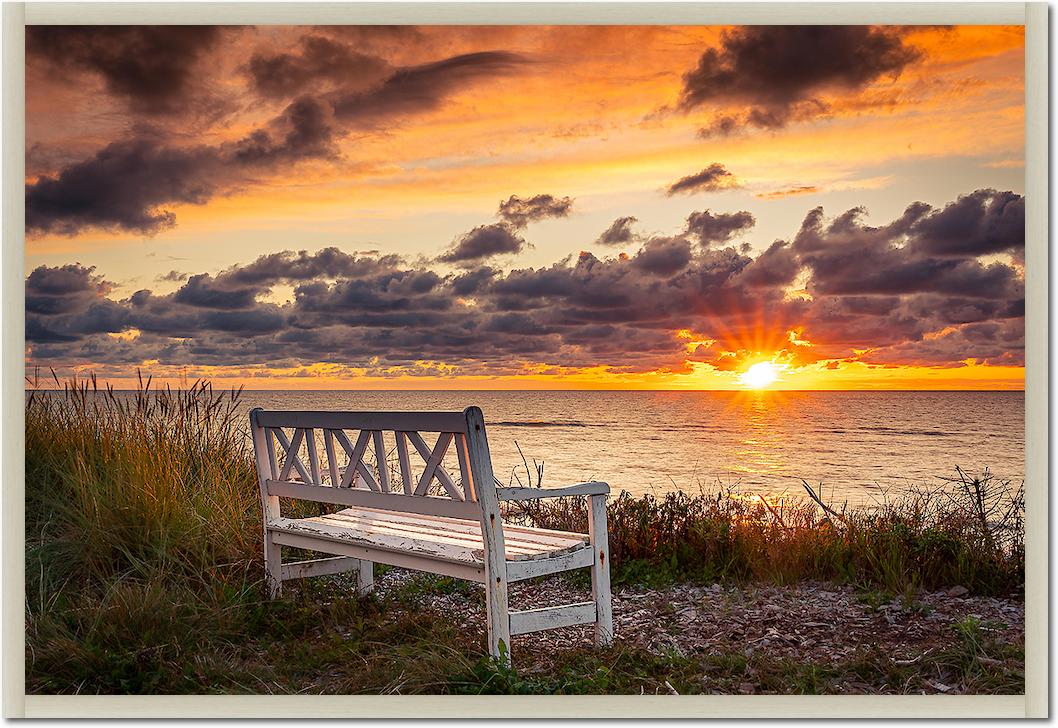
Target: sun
x=760, y=375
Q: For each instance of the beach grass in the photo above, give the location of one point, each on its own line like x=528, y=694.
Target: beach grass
x=966, y=533
x=144, y=573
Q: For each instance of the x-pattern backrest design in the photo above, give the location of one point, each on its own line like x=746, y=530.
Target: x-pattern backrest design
x=288, y=460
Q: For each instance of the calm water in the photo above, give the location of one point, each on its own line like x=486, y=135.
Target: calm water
x=856, y=444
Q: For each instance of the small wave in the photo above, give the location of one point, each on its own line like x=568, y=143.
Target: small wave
x=536, y=423
x=897, y=431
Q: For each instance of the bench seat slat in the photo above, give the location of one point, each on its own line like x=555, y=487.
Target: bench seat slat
x=386, y=542
x=452, y=539
x=453, y=530
x=372, y=526
x=430, y=529
x=459, y=569
x=473, y=526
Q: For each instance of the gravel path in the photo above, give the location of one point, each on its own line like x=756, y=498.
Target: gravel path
x=821, y=623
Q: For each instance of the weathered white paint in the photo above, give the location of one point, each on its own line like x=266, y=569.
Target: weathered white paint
x=426, y=453
x=356, y=457
x=567, y=615
x=519, y=494
x=270, y=448
x=432, y=463
x=314, y=460
x=324, y=530
x=542, y=537
x=319, y=567
x=449, y=529
x=405, y=462
x=464, y=468
x=364, y=497
x=365, y=577
x=269, y=504
x=292, y=458
x=528, y=568
x=380, y=461
x=600, y=570
x=332, y=459
x=470, y=572
x=405, y=421
x=366, y=527
x=496, y=608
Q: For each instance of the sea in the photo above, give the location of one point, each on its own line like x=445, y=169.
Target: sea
x=851, y=447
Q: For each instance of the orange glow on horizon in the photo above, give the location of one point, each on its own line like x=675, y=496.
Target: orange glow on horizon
x=823, y=376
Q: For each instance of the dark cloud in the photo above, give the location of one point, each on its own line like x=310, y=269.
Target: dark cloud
x=153, y=67
x=127, y=185
x=122, y=187
x=779, y=71
x=619, y=233
x=483, y=242
x=520, y=211
x=201, y=291
x=290, y=267
x=417, y=89
x=663, y=256
x=712, y=178
x=305, y=130
x=716, y=228
x=68, y=302
x=993, y=343
x=474, y=281
x=847, y=257
x=777, y=266
x=980, y=223
x=63, y=289
x=319, y=60
x=173, y=276
x=240, y=286
x=896, y=293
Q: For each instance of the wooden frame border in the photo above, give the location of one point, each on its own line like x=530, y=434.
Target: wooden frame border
x=1033, y=704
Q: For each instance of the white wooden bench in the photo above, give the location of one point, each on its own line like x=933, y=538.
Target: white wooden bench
x=394, y=518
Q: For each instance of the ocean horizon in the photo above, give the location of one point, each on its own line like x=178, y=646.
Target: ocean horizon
x=855, y=446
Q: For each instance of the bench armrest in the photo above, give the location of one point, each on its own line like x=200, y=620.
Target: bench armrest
x=520, y=494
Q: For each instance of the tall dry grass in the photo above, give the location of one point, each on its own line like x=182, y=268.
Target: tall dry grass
x=154, y=483
x=968, y=531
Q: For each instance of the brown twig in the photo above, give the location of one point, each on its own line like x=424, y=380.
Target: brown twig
x=824, y=506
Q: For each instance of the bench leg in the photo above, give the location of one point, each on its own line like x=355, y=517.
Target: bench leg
x=273, y=566
x=365, y=577
x=498, y=617
x=600, y=571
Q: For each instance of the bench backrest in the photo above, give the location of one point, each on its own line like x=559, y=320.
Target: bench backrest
x=375, y=459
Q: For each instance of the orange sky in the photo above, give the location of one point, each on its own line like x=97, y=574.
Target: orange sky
x=154, y=157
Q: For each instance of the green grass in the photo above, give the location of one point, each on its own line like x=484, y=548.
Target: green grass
x=144, y=575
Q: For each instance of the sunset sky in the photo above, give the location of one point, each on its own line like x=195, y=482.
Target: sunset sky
x=527, y=207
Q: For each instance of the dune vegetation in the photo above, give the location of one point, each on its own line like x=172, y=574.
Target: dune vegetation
x=144, y=573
